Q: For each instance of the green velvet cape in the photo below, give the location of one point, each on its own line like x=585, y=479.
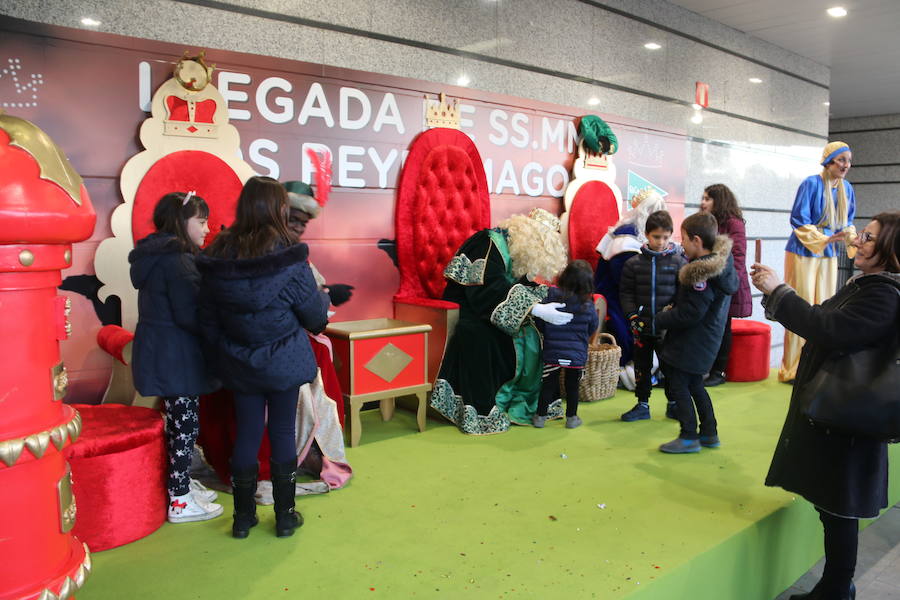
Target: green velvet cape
x=491, y=372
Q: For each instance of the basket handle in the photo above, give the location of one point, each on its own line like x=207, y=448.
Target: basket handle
x=595, y=339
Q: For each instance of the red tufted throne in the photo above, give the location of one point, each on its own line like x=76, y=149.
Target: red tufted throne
x=441, y=201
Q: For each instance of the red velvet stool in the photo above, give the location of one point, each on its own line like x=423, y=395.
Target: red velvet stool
x=751, y=343
x=118, y=474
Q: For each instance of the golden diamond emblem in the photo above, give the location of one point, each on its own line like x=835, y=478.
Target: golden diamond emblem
x=389, y=362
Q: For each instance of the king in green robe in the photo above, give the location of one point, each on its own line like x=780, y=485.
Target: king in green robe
x=491, y=373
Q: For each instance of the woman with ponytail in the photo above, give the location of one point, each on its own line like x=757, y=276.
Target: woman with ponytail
x=823, y=214
x=258, y=300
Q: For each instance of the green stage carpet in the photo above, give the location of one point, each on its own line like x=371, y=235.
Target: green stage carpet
x=595, y=512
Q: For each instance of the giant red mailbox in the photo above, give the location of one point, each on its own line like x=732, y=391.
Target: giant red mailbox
x=44, y=208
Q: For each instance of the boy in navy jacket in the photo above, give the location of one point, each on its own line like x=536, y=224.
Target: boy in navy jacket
x=694, y=330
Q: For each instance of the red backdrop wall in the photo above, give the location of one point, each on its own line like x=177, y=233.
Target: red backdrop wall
x=93, y=89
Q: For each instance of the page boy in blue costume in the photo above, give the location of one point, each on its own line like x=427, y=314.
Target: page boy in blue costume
x=810, y=261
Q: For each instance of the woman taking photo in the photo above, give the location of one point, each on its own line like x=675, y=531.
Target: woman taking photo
x=258, y=299
x=845, y=477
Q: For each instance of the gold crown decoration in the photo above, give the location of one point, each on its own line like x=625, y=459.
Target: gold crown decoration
x=644, y=194
x=190, y=79
x=193, y=77
x=544, y=218
x=442, y=114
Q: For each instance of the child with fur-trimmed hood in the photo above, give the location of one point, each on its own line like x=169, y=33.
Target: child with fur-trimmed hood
x=694, y=330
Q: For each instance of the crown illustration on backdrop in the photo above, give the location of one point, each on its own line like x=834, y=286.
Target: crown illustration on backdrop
x=441, y=114
x=191, y=101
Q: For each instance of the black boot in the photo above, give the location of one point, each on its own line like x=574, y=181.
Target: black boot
x=715, y=378
x=819, y=593
x=284, y=480
x=243, y=483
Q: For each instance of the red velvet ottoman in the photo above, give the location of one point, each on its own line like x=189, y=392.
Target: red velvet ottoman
x=118, y=474
x=751, y=344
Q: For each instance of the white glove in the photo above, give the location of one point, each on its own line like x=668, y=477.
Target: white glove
x=551, y=314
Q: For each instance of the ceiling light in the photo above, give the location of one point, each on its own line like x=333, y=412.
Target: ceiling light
x=755, y=80
x=463, y=80
x=593, y=100
x=837, y=11
x=90, y=22
x=826, y=104
x=652, y=46
x=697, y=118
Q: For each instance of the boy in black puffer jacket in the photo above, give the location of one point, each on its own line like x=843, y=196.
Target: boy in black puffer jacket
x=694, y=330
x=649, y=283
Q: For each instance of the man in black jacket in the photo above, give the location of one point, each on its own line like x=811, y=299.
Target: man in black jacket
x=694, y=330
x=649, y=283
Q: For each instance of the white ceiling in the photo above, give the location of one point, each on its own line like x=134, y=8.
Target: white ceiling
x=862, y=49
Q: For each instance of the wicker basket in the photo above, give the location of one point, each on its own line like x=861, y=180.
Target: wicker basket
x=601, y=373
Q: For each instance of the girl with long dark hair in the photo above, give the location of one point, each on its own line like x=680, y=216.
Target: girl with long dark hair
x=259, y=299
x=720, y=202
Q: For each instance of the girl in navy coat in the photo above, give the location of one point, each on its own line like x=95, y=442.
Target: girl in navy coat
x=167, y=360
x=720, y=202
x=566, y=346
x=259, y=298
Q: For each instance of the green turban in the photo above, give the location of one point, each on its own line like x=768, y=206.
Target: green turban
x=596, y=135
x=300, y=196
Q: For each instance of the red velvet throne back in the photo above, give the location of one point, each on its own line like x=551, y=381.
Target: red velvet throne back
x=442, y=200
x=183, y=171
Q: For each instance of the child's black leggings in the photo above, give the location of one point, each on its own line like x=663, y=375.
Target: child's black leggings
x=182, y=427
x=550, y=388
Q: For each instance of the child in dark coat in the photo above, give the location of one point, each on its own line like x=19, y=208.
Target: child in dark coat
x=259, y=299
x=694, y=330
x=649, y=283
x=720, y=202
x=565, y=346
x=167, y=360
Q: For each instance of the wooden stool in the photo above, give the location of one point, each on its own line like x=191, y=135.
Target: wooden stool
x=380, y=359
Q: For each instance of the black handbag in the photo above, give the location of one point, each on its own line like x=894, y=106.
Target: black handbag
x=858, y=393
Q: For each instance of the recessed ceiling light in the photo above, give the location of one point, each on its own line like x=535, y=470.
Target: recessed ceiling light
x=755, y=80
x=652, y=46
x=463, y=80
x=90, y=22
x=837, y=11
x=593, y=100
x=826, y=104
x=697, y=118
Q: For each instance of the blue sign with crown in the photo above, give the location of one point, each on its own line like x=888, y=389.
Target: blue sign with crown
x=636, y=183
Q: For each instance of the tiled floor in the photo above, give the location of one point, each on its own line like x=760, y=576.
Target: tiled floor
x=878, y=563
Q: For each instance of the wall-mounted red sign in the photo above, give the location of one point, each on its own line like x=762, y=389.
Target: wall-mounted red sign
x=701, y=94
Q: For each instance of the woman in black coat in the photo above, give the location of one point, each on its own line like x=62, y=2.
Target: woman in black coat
x=167, y=360
x=844, y=477
x=258, y=299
